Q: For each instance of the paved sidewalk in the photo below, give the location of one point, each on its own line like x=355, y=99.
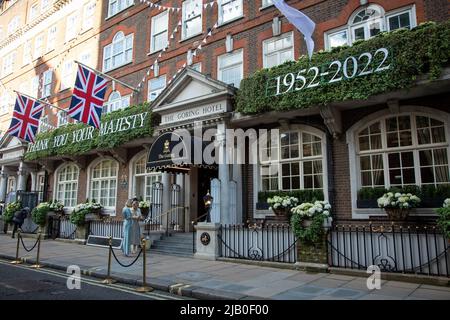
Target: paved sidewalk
x=220, y=280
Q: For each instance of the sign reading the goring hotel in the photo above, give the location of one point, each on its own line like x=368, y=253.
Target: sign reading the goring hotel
x=193, y=113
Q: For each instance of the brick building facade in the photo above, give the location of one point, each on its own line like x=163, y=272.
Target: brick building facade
x=236, y=39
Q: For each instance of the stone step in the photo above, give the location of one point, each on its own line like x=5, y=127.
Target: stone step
x=173, y=252
x=171, y=240
x=171, y=246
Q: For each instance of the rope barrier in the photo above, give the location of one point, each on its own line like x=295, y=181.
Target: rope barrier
x=23, y=244
x=120, y=263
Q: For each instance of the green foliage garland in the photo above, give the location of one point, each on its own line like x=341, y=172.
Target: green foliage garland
x=39, y=214
x=312, y=233
x=425, y=50
x=78, y=217
x=98, y=142
x=443, y=220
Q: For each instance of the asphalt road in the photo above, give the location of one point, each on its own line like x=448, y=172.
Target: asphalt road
x=24, y=283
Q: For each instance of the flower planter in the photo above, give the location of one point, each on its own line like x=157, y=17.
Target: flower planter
x=397, y=214
x=145, y=211
x=306, y=223
x=368, y=203
x=81, y=232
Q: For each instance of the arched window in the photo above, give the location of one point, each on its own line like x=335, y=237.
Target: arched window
x=67, y=185
x=143, y=179
x=119, y=52
x=116, y=102
x=402, y=150
x=103, y=185
x=296, y=162
x=368, y=21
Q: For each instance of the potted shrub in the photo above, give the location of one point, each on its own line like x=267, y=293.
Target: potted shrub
x=397, y=205
x=144, y=206
x=308, y=220
x=443, y=220
x=39, y=215
x=78, y=218
x=11, y=208
x=282, y=205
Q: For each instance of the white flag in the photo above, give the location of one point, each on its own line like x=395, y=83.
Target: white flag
x=302, y=22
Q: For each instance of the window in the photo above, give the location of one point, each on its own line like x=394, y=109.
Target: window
x=266, y=3
x=116, y=102
x=231, y=68
x=8, y=64
x=104, y=183
x=155, y=87
x=67, y=77
x=24, y=88
x=278, y=50
x=47, y=83
x=144, y=180
x=62, y=118
x=40, y=187
x=398, y=151
x=27, y=52
x=71, y=27
x=34, y=11
x=13, y=25
x=51, y=38
x=229, y=10
x=88, y=15
x=192, y=18
x=159, y=34
x=4, y=103
x=34, y=86
x=399, y=20
x=38, y=46
x=368, y=22
x=43, y=124
x=45, y=4
x=295, y=162
x=67, y=185
x=119, y=52
x=115, y=6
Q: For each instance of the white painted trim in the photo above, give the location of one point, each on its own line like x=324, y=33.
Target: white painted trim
x=234, y=52
x=110, y=210
x=55, y=179
x=352, y=147
x=289, y=34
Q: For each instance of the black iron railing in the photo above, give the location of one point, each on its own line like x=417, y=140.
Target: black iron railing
x=393, y=248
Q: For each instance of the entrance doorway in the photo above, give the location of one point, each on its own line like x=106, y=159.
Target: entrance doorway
x=205, y=175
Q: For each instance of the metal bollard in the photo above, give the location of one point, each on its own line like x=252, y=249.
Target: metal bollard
x=17, y=261
x=108, y=279
x=37, y=265
x=144, y=287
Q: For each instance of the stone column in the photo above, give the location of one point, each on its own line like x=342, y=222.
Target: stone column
x=3, y=184
x=237, y=176
x=206, y=241
x=165, y=180
x=21, y=177
x=181, y=212
x=224, y=175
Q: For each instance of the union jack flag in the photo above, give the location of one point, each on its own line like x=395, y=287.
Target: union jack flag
x=87, y=99
x=25, y=120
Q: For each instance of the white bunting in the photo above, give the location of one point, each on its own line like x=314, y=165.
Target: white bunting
x=151, y=68
x=199, y=47
x=184, y=65
x=204, y=40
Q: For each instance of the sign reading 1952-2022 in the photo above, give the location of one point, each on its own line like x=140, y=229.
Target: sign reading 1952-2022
x=338, y=70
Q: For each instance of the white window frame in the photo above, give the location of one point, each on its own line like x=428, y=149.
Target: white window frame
x=47, y=83
x=34, y=11
x=34, y=88
x=38, y=46
x=71, y=27
x=116, y=102
x=266, y=4
x=221, y=4
x=125, y=4
x=67, y=75
x=88, y=15
x=152, y=176
x=13, y=25
x=8, y=64
x=43, y=124
x=353, y=149
x=278, y=52
x=155, y=19
x=5, y=100
x=127, y=50
x=51, y=38
x=27, y=55
x=90, y=180
x=411, y=9
x=61, y=186
x=158, y=90
x=227, y=55
x=62, y=118
x=45, y=4
x=186, y=19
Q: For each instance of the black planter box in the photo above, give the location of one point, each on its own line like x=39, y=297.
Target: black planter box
x=370, y=203
x=262, y=206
